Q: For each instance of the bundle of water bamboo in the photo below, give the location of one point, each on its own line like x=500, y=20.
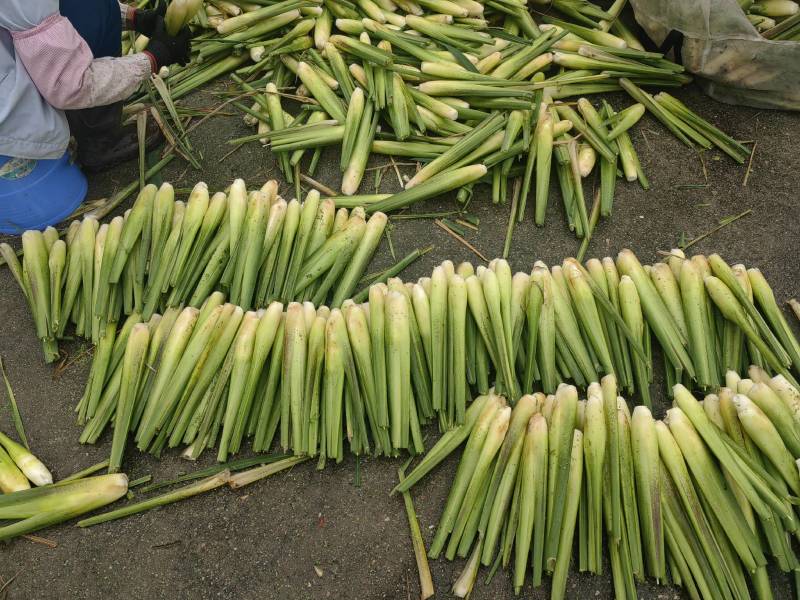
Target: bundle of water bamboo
x=254, y=246
x=370, y=375
x=479, y=92
x=699, y=499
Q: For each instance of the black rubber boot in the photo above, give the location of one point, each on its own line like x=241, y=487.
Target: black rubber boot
x=102, y=140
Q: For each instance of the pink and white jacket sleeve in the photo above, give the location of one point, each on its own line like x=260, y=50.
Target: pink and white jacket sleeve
x=66, y=74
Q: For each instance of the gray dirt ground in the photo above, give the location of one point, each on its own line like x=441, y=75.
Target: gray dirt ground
x=267, y=540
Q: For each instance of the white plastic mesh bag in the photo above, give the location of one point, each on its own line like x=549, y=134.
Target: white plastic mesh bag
x=732, y=62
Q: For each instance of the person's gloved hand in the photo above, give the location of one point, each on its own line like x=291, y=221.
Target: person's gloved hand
x=165, y=49
x=146, y=21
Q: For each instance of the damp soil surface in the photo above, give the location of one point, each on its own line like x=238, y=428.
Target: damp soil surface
x=333, y=534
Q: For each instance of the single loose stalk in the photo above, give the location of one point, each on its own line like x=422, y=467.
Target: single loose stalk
x=206, y=485
x=425, y=579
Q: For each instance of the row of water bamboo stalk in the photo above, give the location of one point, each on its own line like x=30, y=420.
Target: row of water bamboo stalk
x=254, y=246
x=475, y=97
x=701, y=499
x=368, y=376
x=479, y=92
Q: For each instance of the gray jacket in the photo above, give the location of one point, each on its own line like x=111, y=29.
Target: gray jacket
x=29, y=126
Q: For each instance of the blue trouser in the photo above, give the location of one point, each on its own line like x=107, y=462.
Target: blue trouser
x=100, y=25
x=98, y=22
